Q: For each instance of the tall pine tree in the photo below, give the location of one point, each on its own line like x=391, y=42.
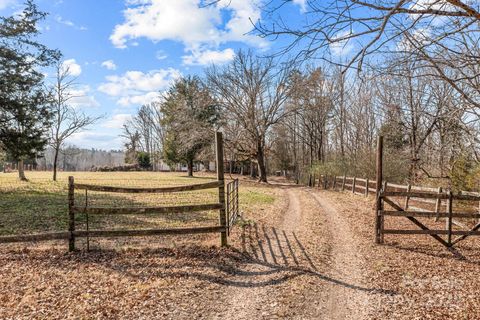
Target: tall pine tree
x=24, y=110
x=190, y=117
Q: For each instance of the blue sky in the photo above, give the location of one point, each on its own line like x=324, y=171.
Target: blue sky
x=124, y=52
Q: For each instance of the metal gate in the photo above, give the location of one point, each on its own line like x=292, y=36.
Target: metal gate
x=232, y=204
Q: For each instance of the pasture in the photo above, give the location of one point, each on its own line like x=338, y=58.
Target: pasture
x=41, y=205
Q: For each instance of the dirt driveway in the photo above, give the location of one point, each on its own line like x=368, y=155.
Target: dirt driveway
x=310, y=257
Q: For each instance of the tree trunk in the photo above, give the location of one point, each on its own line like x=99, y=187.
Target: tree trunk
x=55, y=161
x=21, y=172
x=253, y=172
x=262, y=168
x=190, y=167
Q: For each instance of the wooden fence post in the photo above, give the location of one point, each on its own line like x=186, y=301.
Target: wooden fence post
x=366, y=187
x=343, y=182
x=353, y=184
x=382, y=207
x=449, y=221
x=407, y=198
x=379, y=179
x=438, y=204
x=334, y=183
x=71, y=213
x=221, y=188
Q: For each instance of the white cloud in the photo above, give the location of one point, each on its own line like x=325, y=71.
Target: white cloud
x=419, y=35
x=117, y=121
x=302, y=4
x=207, y=57
x=136, y=87
x=109, y=64
x=72, y=66
x=6, y=3
x=160, y=55
x=140, y=99
x=69, y=23
x=82, y=98
x=188, y=22
x=342, y=46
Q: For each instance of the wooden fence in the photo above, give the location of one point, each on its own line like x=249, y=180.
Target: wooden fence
x=428, y=202
x=228, y=212
x=386, y=197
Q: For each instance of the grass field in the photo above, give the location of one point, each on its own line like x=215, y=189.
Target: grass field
x=41, y=204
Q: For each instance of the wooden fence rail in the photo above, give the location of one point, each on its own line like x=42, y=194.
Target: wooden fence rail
x=228, y=213
x=385, y=197
x=435, y=197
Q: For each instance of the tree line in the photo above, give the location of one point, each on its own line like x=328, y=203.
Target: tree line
x=411, y=74
x=412, y=77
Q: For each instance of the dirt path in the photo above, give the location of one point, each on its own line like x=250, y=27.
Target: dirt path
x=302, y=265
x=344, y=301
x=294, y=259
x=267, y=245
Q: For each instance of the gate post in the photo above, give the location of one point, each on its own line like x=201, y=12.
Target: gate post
x=221, y=188
x=379, y=178
x=71, y=213
x=449, y=220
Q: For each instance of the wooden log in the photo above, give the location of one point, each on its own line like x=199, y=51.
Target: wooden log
x=148, y=210
x=148, y=232
x=35, y=237
x=193, y=187
x=221, y=188
x=360, y=180
x=71, y=213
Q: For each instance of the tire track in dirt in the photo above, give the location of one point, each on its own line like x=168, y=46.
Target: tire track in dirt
x=344, y=302
x=305, y=256
x=273, y=251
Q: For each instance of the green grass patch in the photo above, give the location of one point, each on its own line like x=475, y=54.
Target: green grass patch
x=41, y=205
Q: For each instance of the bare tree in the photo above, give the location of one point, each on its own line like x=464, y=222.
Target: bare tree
x=67, y=120
x=442, y=33
x=252, y=92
